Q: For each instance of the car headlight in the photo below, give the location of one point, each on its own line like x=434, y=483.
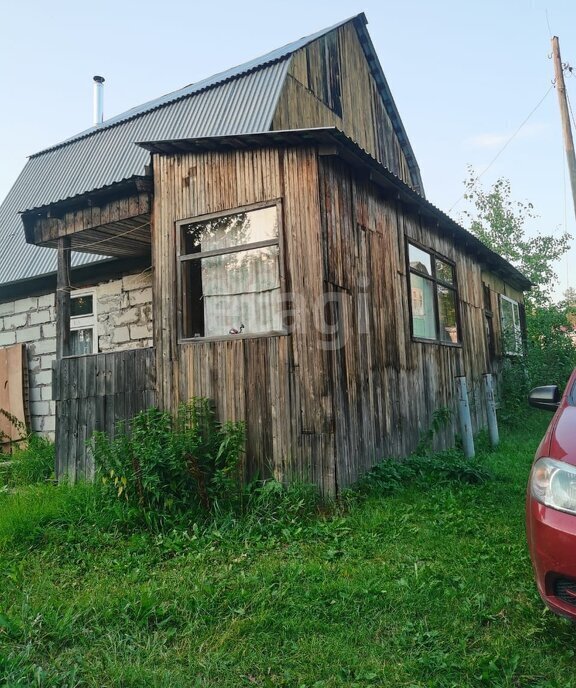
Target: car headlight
x=553, y=483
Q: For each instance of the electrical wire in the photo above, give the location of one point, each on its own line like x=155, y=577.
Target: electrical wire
x=571, y=111
x=508, y=142
x=548, y=23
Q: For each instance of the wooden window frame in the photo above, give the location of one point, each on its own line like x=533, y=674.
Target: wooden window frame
x=85, y=322
x=436, y=282
x=182, y=258
x=517, y=327
x=489, y=322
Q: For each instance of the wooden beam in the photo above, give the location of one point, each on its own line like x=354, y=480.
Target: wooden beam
x=566, y=128
x=43, y=228
x=63, y=299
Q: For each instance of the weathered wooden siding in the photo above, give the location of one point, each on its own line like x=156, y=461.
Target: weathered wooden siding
x=363, y=115
x=278, y=384
x=385, y=386
x=347, y=385
x=94, y=393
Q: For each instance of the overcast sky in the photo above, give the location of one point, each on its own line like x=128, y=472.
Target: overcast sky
x=464, y=76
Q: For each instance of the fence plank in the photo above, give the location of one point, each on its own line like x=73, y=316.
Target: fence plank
x=95, y=392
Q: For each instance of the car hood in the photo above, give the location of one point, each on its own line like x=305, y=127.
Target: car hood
x=563, y=436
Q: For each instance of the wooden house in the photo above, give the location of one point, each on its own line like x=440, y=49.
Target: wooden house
x=299, y=277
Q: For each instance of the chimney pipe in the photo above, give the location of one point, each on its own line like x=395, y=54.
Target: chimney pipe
x=98, y=100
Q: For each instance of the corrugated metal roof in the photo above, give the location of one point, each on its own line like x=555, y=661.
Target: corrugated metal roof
x=277, y=55
x=245, y=104
x=240, y=100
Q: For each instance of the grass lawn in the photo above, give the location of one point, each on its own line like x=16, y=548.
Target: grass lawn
x=426, y=586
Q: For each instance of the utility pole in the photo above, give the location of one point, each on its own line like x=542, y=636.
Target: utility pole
x=566, y=129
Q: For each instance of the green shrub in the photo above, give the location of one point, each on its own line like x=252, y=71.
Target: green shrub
x=169, y=464
x=549, y=358
x=449, y=466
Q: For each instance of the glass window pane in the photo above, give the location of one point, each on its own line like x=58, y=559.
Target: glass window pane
x=231, y=230
x=447, y=315
x=81, y=342
x=423, y=318
x=511, y=330
x=444, y=271
x=81, y=305
x=419, y=260
x=233, y=293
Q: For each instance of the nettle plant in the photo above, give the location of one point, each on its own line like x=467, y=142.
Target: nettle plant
x=166, y=463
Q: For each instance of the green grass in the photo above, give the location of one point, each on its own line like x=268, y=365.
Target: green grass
x=426, y=586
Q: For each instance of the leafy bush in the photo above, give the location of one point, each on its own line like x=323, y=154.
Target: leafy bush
x=441, y=418
x=448, y=466
x=549, y=358
x=169, y=464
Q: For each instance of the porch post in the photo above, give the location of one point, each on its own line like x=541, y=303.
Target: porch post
x=63, y=299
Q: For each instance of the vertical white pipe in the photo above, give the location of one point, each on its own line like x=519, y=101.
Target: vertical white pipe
x=491, y=410
x=464, y=416
x=98, y=100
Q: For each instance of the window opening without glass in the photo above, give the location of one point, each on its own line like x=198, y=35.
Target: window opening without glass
x=433, y=296
x=230, y=278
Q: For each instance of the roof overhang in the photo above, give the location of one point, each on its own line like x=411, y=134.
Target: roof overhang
x=112, y=221
x=331, y=141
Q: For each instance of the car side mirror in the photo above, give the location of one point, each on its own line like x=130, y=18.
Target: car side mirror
x=547, y=397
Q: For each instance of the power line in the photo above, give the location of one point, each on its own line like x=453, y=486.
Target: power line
x=508, y=142
x=570, y=108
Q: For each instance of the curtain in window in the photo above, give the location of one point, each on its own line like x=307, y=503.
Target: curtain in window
x=241, y=292
x=423, y=317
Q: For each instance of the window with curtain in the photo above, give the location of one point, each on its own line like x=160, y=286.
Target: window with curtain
x=230, y=274
x=433, y=296
x=83, y=339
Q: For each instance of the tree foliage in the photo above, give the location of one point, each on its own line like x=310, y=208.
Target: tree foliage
x=500, y=223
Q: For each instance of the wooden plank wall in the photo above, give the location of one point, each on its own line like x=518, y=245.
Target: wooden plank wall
x=320, y=405
x=13, y=393
x=95, y=392
x=277, y=384
x=364, y=117
x=386, y=386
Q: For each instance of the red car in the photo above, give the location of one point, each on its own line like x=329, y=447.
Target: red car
x=551, y=501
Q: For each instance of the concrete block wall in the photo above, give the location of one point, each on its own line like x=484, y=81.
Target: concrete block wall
x=123, y=321
x=124, y=313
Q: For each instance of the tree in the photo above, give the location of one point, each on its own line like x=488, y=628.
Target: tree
x=569, y=304
x=500, y=223
x=570, y=297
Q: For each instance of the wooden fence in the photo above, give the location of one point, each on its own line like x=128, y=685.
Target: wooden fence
x=95, y=392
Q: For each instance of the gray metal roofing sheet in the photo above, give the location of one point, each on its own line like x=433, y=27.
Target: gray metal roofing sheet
x=243, y=105
x=239, y=100
x=258, y=63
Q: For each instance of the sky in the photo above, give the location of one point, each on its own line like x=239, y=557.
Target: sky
x=465, y=76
